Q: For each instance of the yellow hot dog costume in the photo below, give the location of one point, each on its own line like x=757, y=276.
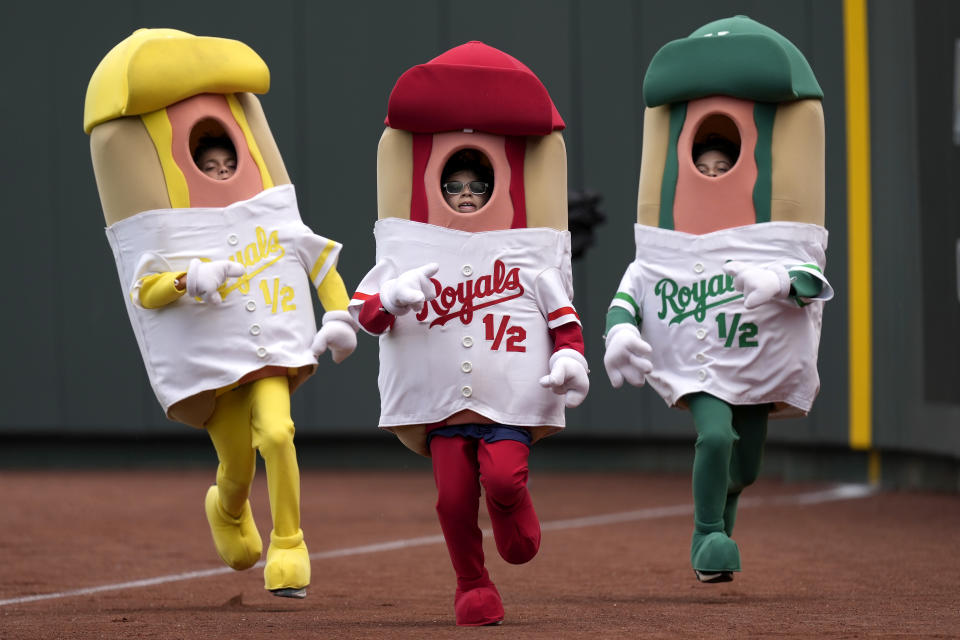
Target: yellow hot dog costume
x=226, y=366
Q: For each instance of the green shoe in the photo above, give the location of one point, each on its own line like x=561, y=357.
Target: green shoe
x=714, y=553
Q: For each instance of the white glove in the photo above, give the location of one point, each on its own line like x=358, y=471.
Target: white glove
x=568, y=377
x=204, y=278
x=627, y=356
x=409, y=290
x=758, y=284
x=338, y=333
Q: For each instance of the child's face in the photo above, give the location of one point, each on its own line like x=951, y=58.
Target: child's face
x=218, y=163
x=713, y=163
x=464, y=201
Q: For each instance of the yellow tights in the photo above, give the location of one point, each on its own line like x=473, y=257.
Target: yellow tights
x=256, y=417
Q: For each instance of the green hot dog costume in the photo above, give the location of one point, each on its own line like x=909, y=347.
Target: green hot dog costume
x=727, y=287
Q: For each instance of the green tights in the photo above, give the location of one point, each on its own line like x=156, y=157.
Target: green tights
x=729, y=451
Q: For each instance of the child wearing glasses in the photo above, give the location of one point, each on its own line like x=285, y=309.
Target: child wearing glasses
x=466, y=182
x=481, y=349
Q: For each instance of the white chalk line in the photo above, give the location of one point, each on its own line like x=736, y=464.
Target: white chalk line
x=840, y=492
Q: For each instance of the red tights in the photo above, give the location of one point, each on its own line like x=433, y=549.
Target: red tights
x=460, y=466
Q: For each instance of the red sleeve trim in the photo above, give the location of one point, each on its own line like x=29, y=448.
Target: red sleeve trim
x=562, y=311
x=363, y=297
x=373, y=317
x=568, y=336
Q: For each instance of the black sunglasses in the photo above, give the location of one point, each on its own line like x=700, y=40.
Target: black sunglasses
x=476, y=187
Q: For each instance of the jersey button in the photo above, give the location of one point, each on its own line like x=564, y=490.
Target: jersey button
x=466, y=366
x=702, y=375
x=233, y=239
x=466, y=391
x=701, y=357
x=261, y=352
x=698, y=268
x=254, y=329
x=251, y=305
x=467, y=341
x=701, y=334
x=467, y=270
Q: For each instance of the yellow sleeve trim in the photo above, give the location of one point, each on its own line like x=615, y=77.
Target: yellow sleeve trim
x=157, y=290
x=319, y=264
x=161, y=132
x=333, y=293
x=241, y=119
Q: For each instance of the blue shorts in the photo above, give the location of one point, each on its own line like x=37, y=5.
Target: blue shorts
x=489, y=433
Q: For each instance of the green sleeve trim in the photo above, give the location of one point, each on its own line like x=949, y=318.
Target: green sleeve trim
x=629, y=300
x=804, y=286
x=618, y=315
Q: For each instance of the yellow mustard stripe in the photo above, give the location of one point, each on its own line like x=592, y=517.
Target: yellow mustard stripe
x=241, y=119
x=333, y=293
x=860, y=328
x=318, y=265
x=161, y=132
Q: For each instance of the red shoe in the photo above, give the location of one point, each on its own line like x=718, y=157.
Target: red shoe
x=478, y=607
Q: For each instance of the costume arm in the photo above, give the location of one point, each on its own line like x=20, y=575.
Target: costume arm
x=807, y=283
x=568, y=336
x=338, y=330
x=568, y=369
x=563, y=322
x=626, y=354
x=761, y=283
x=365, y=305
x=319, y=256
x=374, y=318
x=155, y=283
x=333, y=292
x=624, y=307
x=160, y=289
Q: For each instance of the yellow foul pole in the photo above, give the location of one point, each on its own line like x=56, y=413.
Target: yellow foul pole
x=860, y=298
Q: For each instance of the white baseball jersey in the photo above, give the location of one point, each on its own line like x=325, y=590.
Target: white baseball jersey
x=266, y=317
x=703, y=338
x=483, y=343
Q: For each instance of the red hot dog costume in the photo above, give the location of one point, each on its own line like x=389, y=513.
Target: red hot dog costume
x=216, y=273
x=727, y=288
x=483, y=362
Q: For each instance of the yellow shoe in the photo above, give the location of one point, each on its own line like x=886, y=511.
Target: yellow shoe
x=237, y=539
x=287, y=573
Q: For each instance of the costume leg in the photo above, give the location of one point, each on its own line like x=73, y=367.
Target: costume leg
x=503, y=473
x=455, y=472
x=228, y=511
x=288, y=562
x=750, y=423
x=711, y=550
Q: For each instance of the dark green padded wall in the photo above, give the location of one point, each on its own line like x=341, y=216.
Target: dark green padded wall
x=72, y=365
